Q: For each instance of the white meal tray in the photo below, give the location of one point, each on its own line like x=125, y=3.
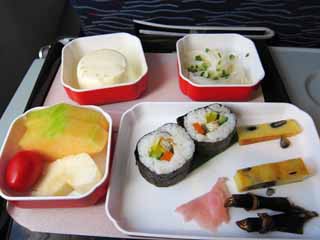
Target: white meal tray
x=93, y=221
x=138, y=208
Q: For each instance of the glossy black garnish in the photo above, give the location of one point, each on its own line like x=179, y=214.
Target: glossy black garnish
x=284, y=142
x=292, y=173
x=262, y=185
x=278, y=124
x=252, y=128
x=270, y=191
x=284, y=222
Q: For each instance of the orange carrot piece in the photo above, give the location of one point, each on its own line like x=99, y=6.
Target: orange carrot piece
x=166, y=156
x=197, y=126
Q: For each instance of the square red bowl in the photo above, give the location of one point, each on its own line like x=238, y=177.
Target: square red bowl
x=127, y=44
x=220, y=92
x=10, y=147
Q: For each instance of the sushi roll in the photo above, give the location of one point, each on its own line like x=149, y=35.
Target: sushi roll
x=213, y=128
x=164, y=156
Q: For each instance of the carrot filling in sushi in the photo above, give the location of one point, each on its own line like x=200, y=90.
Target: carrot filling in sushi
x=213, y=121
x=162, y=149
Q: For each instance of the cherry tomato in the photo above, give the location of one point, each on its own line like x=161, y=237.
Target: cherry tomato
x=23, y=170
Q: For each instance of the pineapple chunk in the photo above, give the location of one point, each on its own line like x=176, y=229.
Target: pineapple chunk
x=267, y=131
x=271, y=174
x=72, y=175
x=82, y=173
x=53, y=182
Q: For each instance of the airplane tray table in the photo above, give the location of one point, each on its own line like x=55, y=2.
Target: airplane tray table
x=163, y=86
x=75, y=220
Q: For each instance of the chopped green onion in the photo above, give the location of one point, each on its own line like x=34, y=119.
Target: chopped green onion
x=205, y=66
x=198, y=58
x=231, y=56
x=192, y=68
x=207, y=49
x=201, y=74
x=211, y=74
x=219, y=55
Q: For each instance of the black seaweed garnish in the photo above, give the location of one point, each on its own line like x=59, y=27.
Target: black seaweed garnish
x=278, y=123
x=262, y=185
x=270, y=191
x=252, y=128
x=284, y=142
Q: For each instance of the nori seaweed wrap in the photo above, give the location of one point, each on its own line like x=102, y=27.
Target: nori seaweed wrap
x=213, y=128
x=164, y=156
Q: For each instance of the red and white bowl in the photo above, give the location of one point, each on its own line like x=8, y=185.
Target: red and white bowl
x=10, y=147
x=129, y=45
x=220, y=92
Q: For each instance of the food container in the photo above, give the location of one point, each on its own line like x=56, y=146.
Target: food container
x=127, y=44
x=234, y=43
x=138, y=208
x=10, y=147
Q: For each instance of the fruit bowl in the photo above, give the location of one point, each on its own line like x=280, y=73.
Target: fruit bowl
x=10, y=147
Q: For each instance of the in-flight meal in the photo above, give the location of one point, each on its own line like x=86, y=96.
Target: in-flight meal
x=101, y=68
x=63, y=130
x=208, y=210
x=284, y=222
x=75, y=173
x=251, y=201
x=212, y=128
x=24, y=170
x=214, y=66
x=271, y=174
x=267, y=131
x=164, y=156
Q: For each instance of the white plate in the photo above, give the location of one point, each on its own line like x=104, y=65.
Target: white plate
x=138, y=208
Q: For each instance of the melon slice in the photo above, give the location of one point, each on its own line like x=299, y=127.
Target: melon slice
x=63, y=130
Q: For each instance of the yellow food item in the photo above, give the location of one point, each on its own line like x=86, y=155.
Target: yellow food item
x=63, y=130
x=101, y=68
x=71, y=175
x=53, y=182
x=271, y=174
x=267, y=131
x=82, y=172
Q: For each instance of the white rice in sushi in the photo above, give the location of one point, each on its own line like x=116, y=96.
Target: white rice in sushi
x=215, y=131
x=183, y=148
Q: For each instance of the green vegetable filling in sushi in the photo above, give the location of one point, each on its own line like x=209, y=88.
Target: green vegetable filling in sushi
x=162, y=149
x=213, y=121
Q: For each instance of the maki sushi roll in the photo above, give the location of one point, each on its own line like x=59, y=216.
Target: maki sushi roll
x=213, y=128
x=164, y=156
